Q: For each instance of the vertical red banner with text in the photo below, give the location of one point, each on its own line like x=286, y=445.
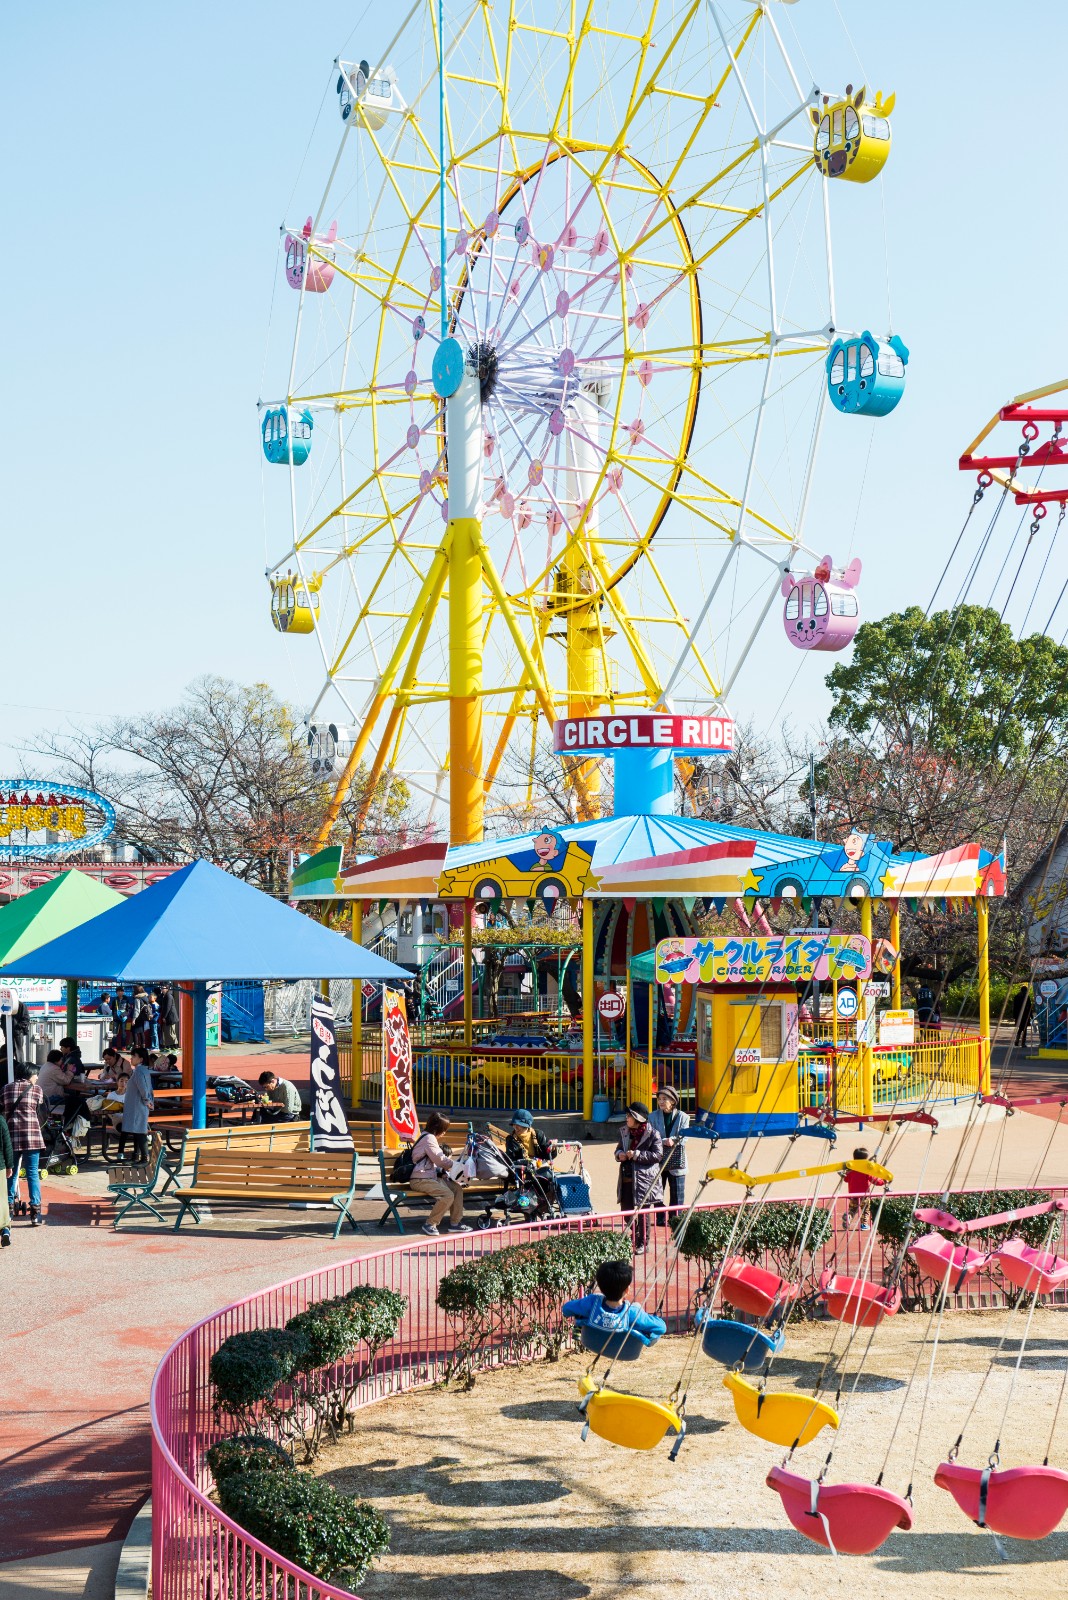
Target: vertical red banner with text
x=400, y=1120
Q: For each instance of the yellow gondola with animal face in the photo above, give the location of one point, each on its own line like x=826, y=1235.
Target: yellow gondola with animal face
x=852, y=135
x=295, y=602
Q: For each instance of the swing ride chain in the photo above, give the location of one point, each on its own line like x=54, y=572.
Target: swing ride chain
x=1005, y=1334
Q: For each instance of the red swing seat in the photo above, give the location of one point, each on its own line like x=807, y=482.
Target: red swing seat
x=752, y=1289
x=856, y=1301
x=1030, y=1269
x=851, y=1518
x=939, y=1258
x=1020, y=1502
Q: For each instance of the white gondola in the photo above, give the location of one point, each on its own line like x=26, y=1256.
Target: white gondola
x=376, y=93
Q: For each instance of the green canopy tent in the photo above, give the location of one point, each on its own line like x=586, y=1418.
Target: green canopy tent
x=47, y=912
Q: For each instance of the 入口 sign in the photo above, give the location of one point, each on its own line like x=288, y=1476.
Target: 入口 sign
x=647, y=731
x=846, y=1003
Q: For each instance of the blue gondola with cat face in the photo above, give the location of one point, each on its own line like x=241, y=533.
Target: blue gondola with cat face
x=287, y=439
x=866, y=375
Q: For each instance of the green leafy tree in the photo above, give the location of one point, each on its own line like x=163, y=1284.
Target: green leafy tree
x=957, y=684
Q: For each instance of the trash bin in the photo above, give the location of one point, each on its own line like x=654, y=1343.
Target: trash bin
x=602, y=1108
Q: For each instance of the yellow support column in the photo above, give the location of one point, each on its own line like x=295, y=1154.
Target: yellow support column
x=468, y=974
x=895, y=940
x=588, y=908
x=463, y=413
x=356, y=1085
x=983, y=914
x=865, y=1059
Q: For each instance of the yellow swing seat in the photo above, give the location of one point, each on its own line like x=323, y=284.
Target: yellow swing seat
x=784, y=1418
x=629, y=1419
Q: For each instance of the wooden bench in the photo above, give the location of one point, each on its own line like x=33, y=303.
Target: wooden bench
x=273, y=1178
x=134, y=1182
x=278, y=1137
x=402, y=1194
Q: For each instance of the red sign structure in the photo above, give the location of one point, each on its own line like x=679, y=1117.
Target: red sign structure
x=647, y=730
x=612, y=1005
x=400, y=1120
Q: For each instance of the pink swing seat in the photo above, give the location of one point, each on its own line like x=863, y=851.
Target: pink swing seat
x=1030, y=1269
x=754, y=1289
x=1020, y=1502
x=934, y=1256
x=856, y=1301
x=852, y=1519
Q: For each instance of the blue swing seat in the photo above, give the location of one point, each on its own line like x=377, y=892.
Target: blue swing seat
x=735, y=1344
x=612, y=1345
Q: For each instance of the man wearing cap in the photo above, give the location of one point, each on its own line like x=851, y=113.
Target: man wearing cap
x=670, y=1123
x=640, y=1154
x=525, y=1143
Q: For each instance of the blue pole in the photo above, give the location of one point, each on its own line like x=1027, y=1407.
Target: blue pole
x=200, y=1055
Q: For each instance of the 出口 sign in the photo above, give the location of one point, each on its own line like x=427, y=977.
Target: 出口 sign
x=789, y=958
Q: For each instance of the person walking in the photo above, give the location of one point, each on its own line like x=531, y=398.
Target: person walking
x=7, y=1157
x=670, y=1123
x=137, y=1105
x=640, y=1154
x=21, y=1104
x=1021, y=1014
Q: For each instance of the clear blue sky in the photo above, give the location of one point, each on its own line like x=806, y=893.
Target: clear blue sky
x=155, y=153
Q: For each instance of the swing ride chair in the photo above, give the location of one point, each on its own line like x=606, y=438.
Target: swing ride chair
x=1032, y=1270
x=784, y=1418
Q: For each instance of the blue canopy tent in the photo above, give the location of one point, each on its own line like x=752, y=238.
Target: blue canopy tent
x=196, y=927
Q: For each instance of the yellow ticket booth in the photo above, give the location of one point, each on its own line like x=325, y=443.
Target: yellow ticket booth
x=747, y=1043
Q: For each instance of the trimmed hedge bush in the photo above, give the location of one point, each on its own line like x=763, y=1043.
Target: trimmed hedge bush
x=509, y=1300
x=897, y=1211
x=247, y=1452
x=314, y=1357
x=307, y=1521
x=773, y=1228
x=248, y=1368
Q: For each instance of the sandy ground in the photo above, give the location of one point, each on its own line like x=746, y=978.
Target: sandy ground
x=492, y=1492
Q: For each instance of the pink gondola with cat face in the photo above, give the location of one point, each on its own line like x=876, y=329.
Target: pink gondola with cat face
x=821, y=610
x=301, y=264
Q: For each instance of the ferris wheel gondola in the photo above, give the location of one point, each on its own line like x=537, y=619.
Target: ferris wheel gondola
x=608, y=243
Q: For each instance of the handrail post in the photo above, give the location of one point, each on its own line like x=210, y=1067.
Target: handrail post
x=895, y=940
x=983, y=914
x=865, y=1059
x=588, y=1011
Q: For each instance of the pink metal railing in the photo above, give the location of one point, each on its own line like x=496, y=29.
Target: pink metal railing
x=198, y=1553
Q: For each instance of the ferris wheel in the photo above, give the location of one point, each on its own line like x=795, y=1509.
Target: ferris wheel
x=616, y=216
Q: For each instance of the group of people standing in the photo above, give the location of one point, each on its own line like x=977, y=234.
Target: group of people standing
x=652, y=1157
x=146, y=1018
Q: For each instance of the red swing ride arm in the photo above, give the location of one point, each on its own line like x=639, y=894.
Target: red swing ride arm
x=942, y=1220
x=1004, y=469
x=1031, y=1100
x=837, y=1119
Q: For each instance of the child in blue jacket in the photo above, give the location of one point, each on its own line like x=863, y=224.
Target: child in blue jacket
x=611, y=1310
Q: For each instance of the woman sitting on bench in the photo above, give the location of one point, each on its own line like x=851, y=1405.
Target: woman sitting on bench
x=430, y=1176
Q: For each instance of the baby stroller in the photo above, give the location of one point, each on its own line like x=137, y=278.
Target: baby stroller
x=61, y=1133
x=536, y=1191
